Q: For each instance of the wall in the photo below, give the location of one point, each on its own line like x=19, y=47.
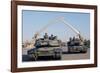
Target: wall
x=5, y=50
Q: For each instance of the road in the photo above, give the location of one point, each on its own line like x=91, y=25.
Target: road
x=65, y=56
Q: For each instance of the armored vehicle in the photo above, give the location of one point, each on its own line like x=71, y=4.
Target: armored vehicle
x=46, y=46
x=76, y=45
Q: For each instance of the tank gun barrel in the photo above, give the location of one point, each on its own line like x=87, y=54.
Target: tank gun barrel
x=72, y=28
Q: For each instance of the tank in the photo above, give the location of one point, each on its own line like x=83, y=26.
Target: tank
x=75, y=45
x=46, y=46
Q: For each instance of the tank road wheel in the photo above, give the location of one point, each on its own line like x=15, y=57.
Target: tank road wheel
x=83, y=51
x=69, y=50
x=35, y=55
x=57, y=56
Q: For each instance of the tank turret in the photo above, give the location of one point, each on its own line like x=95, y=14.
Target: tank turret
x=47, y=41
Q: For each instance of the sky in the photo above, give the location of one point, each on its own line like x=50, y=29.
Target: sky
x=33, y=21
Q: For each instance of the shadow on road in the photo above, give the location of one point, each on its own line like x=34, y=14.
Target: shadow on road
x=25, y=58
